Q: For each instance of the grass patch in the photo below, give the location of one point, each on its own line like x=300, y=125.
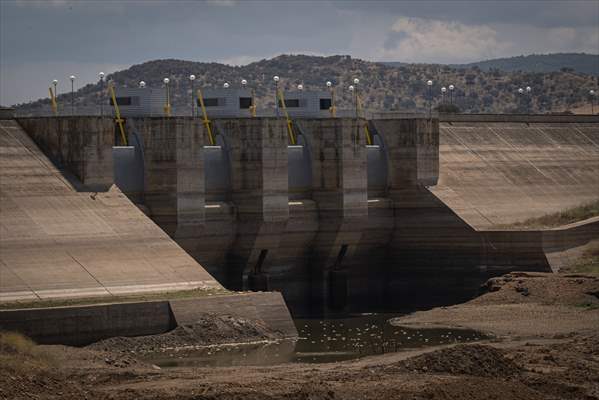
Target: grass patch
x=138, y=297
x=565, y=217
x=588, y=306
x=589, y=262
x=19, y=354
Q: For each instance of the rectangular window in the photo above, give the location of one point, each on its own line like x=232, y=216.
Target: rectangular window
x=325, y=104
x=290, y=103
x=245, y=102
x=121, y=101
x=209, y=102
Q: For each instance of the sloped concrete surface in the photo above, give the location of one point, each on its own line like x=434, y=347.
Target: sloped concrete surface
x=499, y=173
x=58, y=242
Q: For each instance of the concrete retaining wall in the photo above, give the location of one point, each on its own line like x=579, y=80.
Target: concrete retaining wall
x=533, y=118
x=81, y=325
x=86, y=324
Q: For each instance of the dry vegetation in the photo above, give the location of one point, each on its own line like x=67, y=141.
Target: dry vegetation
x=564, y=217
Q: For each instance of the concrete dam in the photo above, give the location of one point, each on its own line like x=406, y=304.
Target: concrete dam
x=332, y=220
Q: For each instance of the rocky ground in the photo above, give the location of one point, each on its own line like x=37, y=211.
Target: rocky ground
x=546, y=347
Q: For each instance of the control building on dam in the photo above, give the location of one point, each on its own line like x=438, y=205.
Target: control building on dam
x=345, y=210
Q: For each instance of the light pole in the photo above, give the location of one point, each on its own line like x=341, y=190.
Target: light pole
x=520, y=92
x=451, y=88
x=592, y=94
x=276, y=79
x=528, y=99
x=72, y=78
x=101, y=75
x=351, y=90
x=167, y=106
x=332, y=90
x=192, y=78
x=55, y=83
x=356, y=82
x=443, y=91
x=429, y=83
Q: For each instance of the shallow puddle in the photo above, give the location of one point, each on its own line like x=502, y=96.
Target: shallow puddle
x=321, y=340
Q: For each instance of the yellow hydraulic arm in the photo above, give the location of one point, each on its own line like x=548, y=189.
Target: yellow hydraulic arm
x=333, y=109
x=359, y=106
x=206, y=120
x=117, y=112
x=289, y=125
x=53, y=101
x=253, y=106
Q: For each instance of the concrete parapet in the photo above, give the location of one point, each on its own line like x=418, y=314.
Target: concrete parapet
x=7, y=113
x=82, y=145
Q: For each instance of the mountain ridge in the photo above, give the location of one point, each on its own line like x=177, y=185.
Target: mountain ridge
x=584, y=63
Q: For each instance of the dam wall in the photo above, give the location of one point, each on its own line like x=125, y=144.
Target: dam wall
x=427, y=203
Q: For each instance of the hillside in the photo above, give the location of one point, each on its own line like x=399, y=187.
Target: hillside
x=382, y=87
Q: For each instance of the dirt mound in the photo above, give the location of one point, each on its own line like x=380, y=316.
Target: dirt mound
x=27, y=370
x=527, y=287
x=207, y=330
x=475, y=360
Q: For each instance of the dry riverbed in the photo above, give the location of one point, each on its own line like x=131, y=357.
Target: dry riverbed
x=546, y=346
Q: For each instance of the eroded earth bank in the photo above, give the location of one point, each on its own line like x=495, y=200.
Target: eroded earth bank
x=544, y=344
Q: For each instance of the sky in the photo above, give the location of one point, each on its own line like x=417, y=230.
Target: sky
x=41, y=40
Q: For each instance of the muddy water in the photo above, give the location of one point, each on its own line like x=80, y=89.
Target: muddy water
x=321, y=340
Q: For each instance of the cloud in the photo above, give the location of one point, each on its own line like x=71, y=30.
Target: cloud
x=222, y=3
x=429, y=40
x=41, y=3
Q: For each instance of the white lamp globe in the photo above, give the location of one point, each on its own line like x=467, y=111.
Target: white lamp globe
x=592, y=92
x=101, y=75
x=192, y=77
x=244, y=82
x=429, y=82
x=351, y=88
x=55, y=81
x=356, y=81
x=443, y=89
x=72, y=77
x=226, y=85
x=142, y=84
x=528, y=89
x=451, y=87
x=166, y=81
x=520, y=90
x=300, y=87
x=276, y=78
x=329, y=84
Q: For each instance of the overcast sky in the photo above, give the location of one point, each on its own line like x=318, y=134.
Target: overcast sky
x=45, y=39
